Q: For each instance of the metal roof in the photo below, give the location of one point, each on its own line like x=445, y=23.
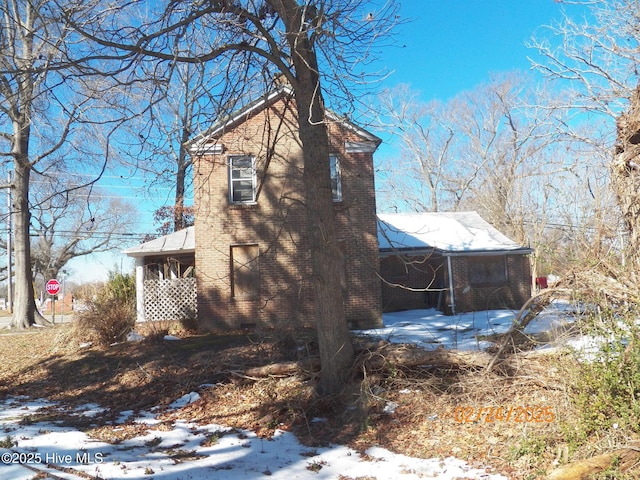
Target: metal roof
x=182, y=241
x=446, y=232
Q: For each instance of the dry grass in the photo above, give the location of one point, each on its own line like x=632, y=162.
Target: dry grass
x=49, y=363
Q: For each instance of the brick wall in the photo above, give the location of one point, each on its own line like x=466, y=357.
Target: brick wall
x=276, y=223
x=511, y=294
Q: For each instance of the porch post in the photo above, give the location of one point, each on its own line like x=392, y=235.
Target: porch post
x=453, y=300
x=140, y=317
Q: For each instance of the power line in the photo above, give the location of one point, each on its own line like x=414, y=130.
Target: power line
x=92, y=234
x=142, y=187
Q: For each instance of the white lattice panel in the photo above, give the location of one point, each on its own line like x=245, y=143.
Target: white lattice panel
x=173, y=299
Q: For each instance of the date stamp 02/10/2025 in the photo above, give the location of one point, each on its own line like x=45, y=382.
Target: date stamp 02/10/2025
x=468, y=414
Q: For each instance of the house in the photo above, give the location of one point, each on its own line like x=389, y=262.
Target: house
x=165, y=277
x=249, y=240
x=454, y=262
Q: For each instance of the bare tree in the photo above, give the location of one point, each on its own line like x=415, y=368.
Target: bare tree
x=74, y=224
x=428, y=135
x=480, y=150
x=56, y=114
x=511, y=140
x=30, y=41
x=159, y=137
x=597, y=61
x=318, y=47
x=501, y=149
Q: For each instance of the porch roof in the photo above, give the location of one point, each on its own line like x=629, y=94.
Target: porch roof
x=450, y=233
x=180, y=242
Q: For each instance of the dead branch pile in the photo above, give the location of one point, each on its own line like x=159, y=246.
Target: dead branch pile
x=598, y=287
x=602, y=287
x=403, y=355
x=379, y=358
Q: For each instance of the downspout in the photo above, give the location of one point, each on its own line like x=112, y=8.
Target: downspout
x=452, y=303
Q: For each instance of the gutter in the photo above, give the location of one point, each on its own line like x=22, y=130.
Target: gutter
x=389, y=252
x=489, y=253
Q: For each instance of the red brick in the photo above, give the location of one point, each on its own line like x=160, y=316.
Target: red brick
x=277, y=224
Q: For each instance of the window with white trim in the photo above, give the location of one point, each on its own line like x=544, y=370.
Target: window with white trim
x=336, y=178
x=242, y=179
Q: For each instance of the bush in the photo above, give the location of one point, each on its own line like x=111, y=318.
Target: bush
x=111, y=313
x=607, y=390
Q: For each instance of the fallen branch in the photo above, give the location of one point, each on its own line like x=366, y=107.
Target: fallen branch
x=390, y=355
x=623, y=459
x=527, y=313
x=403, y=355
x=306, y=365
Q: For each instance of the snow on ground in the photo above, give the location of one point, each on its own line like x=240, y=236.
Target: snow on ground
x=189, y=451
x=433, y=329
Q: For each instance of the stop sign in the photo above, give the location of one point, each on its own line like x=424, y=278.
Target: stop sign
x=53, y=287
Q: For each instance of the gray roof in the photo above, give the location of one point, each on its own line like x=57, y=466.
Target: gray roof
x=450, y=232
x=182, y=241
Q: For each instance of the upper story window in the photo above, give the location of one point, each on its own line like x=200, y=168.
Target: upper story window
x=242, y=179
x=336, y=178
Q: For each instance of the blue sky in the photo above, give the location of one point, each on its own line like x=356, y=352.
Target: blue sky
x=454, y=45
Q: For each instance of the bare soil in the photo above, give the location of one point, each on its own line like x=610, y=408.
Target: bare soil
x=421, y=412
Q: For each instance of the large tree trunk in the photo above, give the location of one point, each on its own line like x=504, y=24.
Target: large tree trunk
x=24, y=302
x=622, y=459
x=25, y=313
x=625, y=175
x=336, y=350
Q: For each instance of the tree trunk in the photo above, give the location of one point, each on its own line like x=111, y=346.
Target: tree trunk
x=625, y=175
x=181, y=175
x=25, y=313
x=336, y=350
x=24, y=301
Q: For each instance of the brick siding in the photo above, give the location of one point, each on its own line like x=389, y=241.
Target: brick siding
x=277, y=224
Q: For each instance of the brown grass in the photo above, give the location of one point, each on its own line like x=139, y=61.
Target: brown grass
x=50, y=364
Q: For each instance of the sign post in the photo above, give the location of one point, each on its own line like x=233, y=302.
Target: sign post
x=53, y=287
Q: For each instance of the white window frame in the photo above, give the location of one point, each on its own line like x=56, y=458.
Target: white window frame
x=336, y=177
x=233, y=181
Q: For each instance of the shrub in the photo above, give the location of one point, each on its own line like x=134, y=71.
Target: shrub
x=8, y=442
x=111, y=313
x=607, y=390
